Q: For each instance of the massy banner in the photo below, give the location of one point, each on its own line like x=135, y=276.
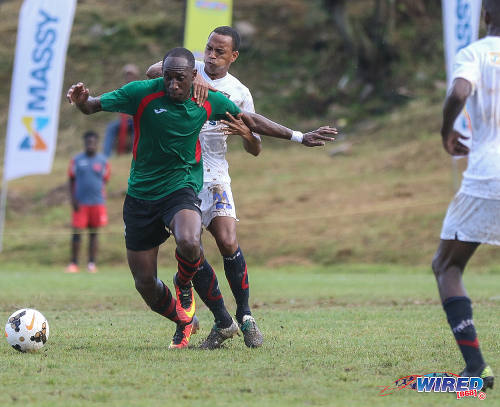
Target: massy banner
x=461, y=26
x=42, y=40
x=202, y=16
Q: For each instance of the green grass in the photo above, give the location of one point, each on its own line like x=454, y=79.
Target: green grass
x=333, y=335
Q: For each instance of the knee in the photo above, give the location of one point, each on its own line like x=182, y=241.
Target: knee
x=442, y=265
x=144, y=284
x=189, y=247
x=227, y=244
x=76, y=238
x=437, y=265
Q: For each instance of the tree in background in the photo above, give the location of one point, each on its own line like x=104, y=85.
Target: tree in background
x=370, y=44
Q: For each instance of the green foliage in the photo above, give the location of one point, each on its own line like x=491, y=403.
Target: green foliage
x=293, y=63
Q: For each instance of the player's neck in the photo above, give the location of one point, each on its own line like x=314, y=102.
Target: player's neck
x=493, y=30
x=217, y=75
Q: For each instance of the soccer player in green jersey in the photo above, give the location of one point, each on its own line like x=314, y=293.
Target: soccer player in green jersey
x=166, y=175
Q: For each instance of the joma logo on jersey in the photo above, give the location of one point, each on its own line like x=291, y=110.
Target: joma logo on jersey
x=494, y=58
x=158, y=111
x=33, y=140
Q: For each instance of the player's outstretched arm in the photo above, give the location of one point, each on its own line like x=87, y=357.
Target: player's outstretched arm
x=453, y=105
x=236, y=126
x=79, y=96
x=262, y=125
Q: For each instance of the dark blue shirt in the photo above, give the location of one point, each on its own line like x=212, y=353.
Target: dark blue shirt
x=90, y=174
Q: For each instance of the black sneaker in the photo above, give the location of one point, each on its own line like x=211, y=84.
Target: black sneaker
x=485, y=373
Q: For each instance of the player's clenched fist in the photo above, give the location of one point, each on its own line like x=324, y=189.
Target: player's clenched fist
x=79, y=96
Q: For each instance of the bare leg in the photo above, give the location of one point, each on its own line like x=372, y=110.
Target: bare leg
x=93, y=245
x=75, y=245
x=186, y=228
x=143, y=265
x=223, y=229
x=448, y=265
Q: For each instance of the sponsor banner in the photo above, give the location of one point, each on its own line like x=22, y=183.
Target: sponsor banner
x=42, y=40
x=461, y=26
x=202, y=16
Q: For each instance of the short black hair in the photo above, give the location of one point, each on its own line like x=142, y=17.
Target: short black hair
x=230, y=32
x=181, y=53
x=90, y=133
x=493, y=8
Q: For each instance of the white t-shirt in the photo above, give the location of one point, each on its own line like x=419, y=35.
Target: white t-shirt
x=479, y=63
x=212, y=139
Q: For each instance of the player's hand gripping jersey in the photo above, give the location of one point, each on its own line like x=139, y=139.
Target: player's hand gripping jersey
x=166, y=151
x=479, y=63
x=212, y=138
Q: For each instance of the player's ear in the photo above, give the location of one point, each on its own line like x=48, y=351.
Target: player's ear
x=234, y=56
x=195, y=72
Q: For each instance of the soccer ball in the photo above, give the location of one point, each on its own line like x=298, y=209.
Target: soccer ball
x=27, y=330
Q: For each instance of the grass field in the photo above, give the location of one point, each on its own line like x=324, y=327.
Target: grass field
x=332, y=337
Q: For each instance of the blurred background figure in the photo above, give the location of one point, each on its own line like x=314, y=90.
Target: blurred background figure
x=88, y=173
x=120, y=132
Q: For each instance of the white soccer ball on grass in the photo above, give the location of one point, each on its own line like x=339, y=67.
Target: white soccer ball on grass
x=27, y=330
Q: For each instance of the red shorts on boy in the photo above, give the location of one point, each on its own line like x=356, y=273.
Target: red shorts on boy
x=90, y=216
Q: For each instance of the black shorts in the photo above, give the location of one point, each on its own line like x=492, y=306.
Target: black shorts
x=147, y=222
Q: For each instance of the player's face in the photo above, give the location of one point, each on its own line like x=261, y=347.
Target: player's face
x=219, y=55
x=90, y=145
x=178, y=78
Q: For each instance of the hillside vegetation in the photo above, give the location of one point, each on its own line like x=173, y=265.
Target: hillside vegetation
x=381, y=202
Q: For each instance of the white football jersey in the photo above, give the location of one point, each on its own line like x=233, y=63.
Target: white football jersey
x=479, y=63
x=212, y=139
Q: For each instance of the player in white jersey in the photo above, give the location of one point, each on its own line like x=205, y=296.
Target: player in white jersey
x=473, y=216
x=216, y=195
x=217, y=204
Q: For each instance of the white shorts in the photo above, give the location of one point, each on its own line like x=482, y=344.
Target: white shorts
x=216, y=200
x=471, y=219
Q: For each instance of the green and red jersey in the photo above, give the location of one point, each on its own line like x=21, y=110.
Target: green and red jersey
x=166, y=152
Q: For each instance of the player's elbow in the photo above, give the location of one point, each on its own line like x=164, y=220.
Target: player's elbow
x=252, y=147
x=460, y=90
x=256, y=150
x=457, y=96
x=154, y=71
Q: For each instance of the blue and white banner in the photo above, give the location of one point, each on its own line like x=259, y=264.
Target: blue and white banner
x=35, y=95
x=461, y=20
